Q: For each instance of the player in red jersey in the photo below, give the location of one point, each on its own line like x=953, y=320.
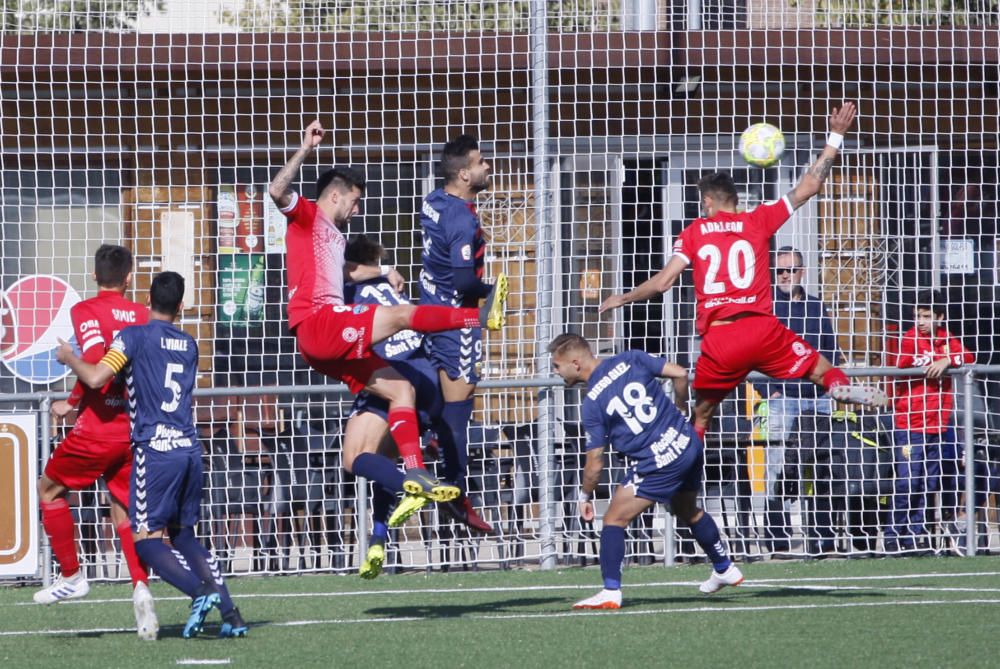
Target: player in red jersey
x=729, y=252
x=99, y=445
x=336, y=339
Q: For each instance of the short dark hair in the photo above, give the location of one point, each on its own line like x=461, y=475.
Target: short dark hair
x=364, y=250
x=343, y=178
x=791, y=250
x=166, y=293
x=569, y=342
x=455, y=156
x=931, y=300
x=719, y=185
x=112, y=264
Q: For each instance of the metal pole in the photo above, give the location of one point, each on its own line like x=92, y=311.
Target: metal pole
x=545, y=252
x=669, y=547
x=361, y=506
x=45, y=427
x=968, y=386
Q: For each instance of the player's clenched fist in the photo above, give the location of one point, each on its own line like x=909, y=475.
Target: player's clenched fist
x=313, y=135
x=64, y=352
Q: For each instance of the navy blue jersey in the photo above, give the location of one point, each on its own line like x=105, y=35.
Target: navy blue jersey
x=625, y=407
x=452, y=239
x=404, y=351
x=404, y=344
x=160, y=362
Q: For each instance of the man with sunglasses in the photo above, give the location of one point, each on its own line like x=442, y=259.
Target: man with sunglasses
x=806, y=316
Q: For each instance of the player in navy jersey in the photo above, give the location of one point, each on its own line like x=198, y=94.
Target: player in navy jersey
x=368, y=426
x=729, y=252
x=159, y=362
x=624, y=406
x=452, y=275
x=336, y=338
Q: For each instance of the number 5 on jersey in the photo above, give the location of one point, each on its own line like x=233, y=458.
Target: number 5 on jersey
x=171, y=384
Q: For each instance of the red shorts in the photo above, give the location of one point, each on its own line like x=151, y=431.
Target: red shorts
x=760, y=342
x=80, y=460
x=337, y=341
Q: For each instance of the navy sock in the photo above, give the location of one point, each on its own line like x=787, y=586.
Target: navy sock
x=706, y=533
x=453, y=438
x=382, y=501
x=379, y=469
x=168, y=564
x=204, y=566
x=612, y=556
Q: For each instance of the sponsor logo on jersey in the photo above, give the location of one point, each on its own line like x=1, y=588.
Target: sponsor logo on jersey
x=350, y=335
x=34, y=315
x=360, y=308
x=467, y=252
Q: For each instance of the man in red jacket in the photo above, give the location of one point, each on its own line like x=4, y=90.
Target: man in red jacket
x=926, y=449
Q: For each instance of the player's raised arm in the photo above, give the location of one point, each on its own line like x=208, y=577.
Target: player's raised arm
x=812, y=181
x=280, y=188
x=95, y=376
x=659, y=283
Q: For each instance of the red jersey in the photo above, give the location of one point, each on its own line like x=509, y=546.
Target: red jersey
x=315, y=259
x=96, y=323
x=730, y=256
x=922, y=404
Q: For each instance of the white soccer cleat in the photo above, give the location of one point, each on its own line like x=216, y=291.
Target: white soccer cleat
x=73, y=587
x=147, y=626
x=605, y=599
x=851, y=393
x=717, y=581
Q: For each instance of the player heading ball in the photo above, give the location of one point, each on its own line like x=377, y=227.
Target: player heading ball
x=729, y=252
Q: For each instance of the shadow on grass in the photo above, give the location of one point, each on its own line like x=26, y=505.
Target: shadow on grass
x=210, y=633
x=459, y=610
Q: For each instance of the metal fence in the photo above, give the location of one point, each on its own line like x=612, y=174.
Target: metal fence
x=278, y=502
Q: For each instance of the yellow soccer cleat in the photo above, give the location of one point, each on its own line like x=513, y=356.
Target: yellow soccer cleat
x=372, y=566
x=421, y=484
x=492, y=314
x=407, y=506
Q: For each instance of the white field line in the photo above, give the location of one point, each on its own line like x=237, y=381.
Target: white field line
x=195, y=661
x=555, y=614
x=764, y=582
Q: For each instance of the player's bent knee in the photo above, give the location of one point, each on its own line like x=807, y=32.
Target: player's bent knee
x=49, y=490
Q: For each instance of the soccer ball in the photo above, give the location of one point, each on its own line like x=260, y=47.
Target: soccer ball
x=762, y=144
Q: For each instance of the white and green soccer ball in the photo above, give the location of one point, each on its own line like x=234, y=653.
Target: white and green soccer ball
x=762, y=144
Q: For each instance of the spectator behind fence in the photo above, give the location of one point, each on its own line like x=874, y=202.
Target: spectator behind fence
x=806, y=316
x=926, y=452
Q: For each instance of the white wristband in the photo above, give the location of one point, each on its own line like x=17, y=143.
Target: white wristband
x=835, y=139
x=583, y=496
x=386, y=269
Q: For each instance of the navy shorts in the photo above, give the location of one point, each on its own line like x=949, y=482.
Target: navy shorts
x=166, y=488
x=421, y=373
x=684, y=474
x=458, y=352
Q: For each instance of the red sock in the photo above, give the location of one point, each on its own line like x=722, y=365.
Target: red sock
x=57, y=520
x=700, y=431
x=403, y=426
x=136, y=569
x=439, y=319
x=833, y=378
